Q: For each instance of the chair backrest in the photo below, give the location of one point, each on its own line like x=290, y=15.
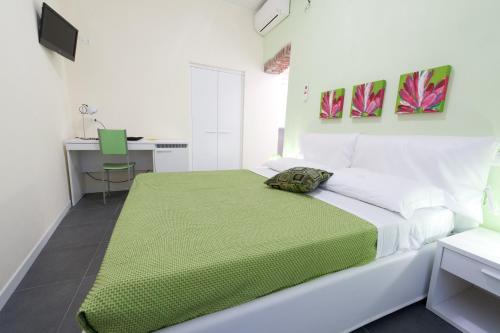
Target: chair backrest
x=113, y=142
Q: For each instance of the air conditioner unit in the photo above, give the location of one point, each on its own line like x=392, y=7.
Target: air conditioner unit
x=270, y=15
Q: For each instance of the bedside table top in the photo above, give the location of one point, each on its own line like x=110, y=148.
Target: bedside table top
x=481, y=244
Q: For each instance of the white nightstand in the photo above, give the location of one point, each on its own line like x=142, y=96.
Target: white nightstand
x=465, y=283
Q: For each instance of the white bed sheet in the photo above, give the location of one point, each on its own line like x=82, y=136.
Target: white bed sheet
x=394, y=232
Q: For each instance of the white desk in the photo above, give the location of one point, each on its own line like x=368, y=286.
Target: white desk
x=83, y=156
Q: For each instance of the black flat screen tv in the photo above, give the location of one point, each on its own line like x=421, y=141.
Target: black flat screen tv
x=57, y=34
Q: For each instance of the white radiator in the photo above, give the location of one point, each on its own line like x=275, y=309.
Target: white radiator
x=171, y=157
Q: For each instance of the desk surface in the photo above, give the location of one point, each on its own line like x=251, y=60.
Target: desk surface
x=143, y=144
x=153, y=141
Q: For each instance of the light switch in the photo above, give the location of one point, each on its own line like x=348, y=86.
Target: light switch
x=306, y=92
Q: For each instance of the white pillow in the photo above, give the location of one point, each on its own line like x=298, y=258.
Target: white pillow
x=286, y=163
x=394, y=193
x=457, y=165
x=333, y=150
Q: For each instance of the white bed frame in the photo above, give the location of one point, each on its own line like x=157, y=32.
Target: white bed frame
x=335, y=303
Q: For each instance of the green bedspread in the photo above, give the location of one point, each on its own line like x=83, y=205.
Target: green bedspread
x=189, y=244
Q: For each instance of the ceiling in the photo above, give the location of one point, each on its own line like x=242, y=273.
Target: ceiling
x=250, y=4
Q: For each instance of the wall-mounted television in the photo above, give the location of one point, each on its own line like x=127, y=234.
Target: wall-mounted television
x=57, y=34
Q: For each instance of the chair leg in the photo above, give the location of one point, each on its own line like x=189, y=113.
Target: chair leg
x=104, y=188
x=128, y=174
x=107, y=180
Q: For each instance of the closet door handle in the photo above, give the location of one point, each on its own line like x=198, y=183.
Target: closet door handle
x=224, y=132
x=211, y=132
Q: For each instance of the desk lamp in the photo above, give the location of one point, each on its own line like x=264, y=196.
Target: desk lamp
x=84, y=110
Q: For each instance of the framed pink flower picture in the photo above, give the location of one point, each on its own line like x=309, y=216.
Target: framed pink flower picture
x=332, y=104
x=423, y=91
x=367, y=99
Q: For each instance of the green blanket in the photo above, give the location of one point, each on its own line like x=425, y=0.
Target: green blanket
x=189, y=244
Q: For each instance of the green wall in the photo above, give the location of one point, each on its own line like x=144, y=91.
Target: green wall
x=340, y=43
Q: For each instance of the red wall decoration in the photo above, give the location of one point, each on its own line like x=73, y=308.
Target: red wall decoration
x=280, y=62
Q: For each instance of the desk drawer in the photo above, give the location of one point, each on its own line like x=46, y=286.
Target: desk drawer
x=482, y=275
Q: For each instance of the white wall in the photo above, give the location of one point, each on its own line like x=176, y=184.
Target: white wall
x=136, y=67
x=33, y=124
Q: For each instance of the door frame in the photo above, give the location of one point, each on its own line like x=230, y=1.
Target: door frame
x=242, y=115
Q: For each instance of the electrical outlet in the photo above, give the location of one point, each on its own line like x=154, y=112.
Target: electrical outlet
x=84, y=40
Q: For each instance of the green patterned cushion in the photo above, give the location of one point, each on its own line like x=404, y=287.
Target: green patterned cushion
x=298, y=179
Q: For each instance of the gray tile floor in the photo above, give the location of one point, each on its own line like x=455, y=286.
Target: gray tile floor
x=53, y=289
x=51, y=292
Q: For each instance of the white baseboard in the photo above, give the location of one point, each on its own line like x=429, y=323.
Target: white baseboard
x=18, y=276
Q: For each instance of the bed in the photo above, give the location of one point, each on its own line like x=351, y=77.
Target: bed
x=209, y=252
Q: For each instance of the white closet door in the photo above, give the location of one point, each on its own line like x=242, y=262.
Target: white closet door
x=229, y=123
x=204, y=90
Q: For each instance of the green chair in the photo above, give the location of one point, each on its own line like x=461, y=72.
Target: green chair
x=114, y=143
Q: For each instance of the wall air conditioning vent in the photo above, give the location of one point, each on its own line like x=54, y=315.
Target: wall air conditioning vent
x=171, y=145
x=269, y=23
x=270, y=15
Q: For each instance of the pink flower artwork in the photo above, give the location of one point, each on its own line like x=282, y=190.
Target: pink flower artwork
x=332, y=104
x=368, y=99
x=423, y=91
